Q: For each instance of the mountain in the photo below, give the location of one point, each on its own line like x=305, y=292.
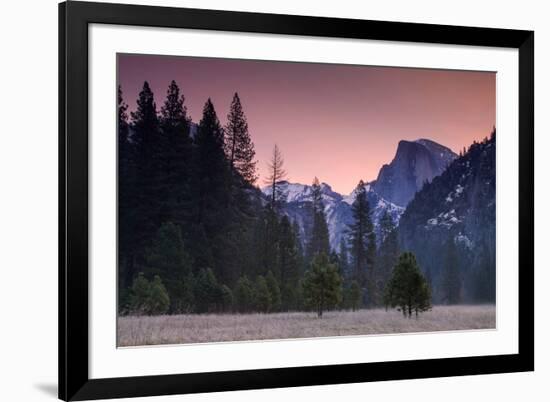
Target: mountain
x=457, y=210
x=415, y=163
x=297, y=206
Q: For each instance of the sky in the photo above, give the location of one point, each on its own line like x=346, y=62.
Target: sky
x=337, y=122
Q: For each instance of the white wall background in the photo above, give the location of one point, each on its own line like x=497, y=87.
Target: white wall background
x=28, y=198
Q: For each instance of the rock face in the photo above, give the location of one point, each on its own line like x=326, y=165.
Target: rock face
x=415, y=163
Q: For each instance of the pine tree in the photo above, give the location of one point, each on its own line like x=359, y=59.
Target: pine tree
x=146, y=160
x=262, y=296
x=148, y=298
x=185, y=295
x=407, y=288
x=244, y=295
x=275, y=175
x=362, y=239
x=139, y=297
x=209, y=239
x=239, y=147
x=322, y=285
x=207, y=292
x=159, y=300
x=319, y=237
x=211, y=166
x=176, y=158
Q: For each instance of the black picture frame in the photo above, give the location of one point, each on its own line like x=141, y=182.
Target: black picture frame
x=74, y=18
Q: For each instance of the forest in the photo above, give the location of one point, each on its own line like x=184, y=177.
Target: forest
x=196, y=234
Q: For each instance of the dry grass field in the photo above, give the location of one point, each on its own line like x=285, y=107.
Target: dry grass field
x=179, y=329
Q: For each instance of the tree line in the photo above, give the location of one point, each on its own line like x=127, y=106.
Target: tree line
x=196, y=235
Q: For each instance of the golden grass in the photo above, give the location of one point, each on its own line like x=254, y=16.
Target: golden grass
x=179, y=329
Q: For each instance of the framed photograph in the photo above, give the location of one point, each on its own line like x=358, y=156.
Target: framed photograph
x=258, y=201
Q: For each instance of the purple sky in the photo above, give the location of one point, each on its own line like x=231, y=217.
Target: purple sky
x=337, y=122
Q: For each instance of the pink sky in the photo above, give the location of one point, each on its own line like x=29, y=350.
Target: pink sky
x=340, y=123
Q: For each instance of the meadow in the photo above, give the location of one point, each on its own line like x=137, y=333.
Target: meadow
x=203, y=328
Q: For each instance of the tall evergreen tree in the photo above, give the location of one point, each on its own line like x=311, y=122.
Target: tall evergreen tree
x=239, y=147
x=362, y=237
x=210, y=193
x=262, y=295
x=276, y=173
x=211, y=167
x=407, y=288
x=146, y=156
x=242, y=204
x=208, y=292
x=176, y=163
x=244, y=295
x=319, y=238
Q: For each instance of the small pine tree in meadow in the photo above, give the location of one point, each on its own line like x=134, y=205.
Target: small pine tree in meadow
x=148, y=298
x=243, y=295
x=407, y=288
x=322, y=285
x=139, y=296
x=184, y=295
x=207, y=291
x=159, y=301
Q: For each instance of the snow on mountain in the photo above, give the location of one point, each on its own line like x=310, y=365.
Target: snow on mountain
x=298, y=198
